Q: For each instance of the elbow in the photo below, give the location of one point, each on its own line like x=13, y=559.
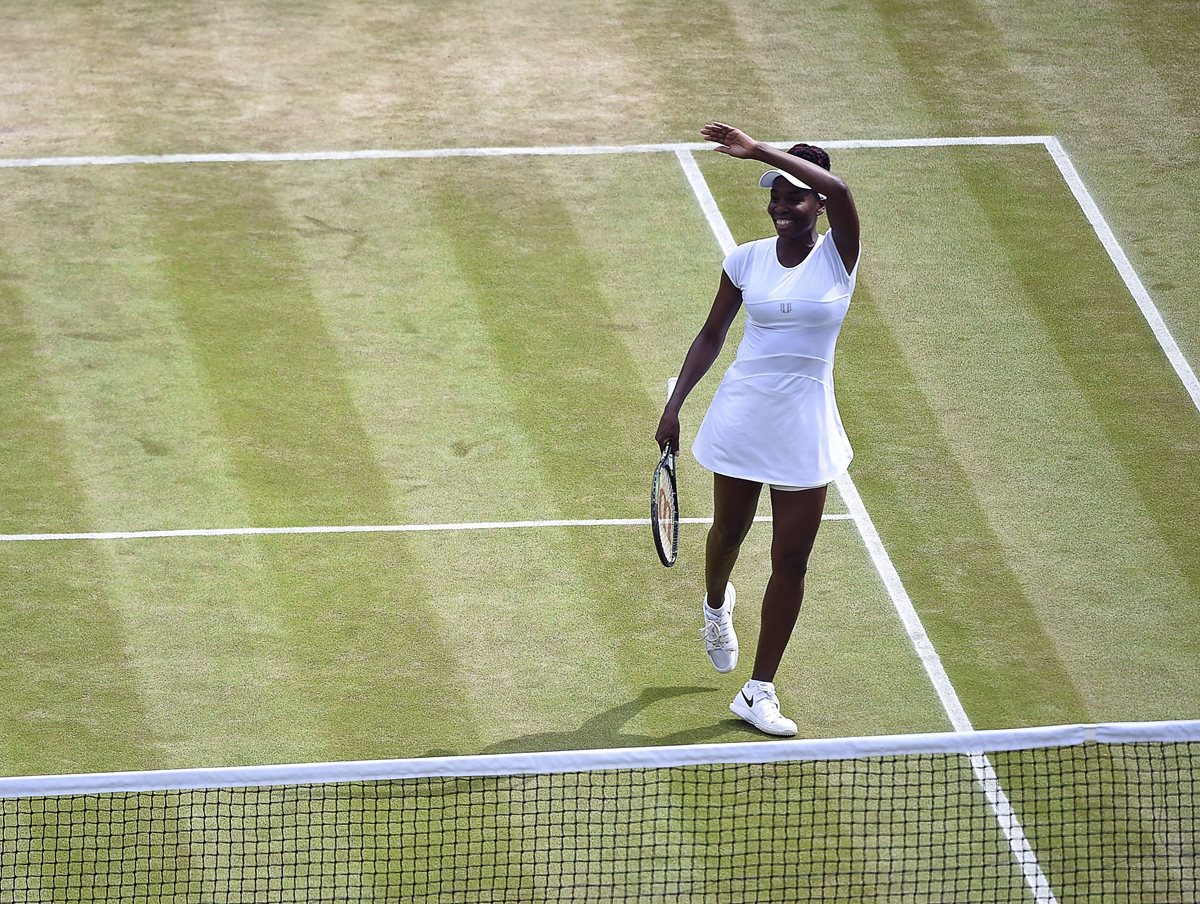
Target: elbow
x=837, y=189
x=709, y=340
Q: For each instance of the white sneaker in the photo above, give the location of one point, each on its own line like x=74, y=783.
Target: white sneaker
x=720, y=641
x=757, y=704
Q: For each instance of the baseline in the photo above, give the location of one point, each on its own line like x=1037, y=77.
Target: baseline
x=566, y=150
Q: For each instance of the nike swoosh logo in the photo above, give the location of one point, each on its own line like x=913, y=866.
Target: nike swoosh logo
x=749, y=700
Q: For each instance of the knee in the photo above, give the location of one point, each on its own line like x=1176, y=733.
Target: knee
x=790, y=564
x=728, y=537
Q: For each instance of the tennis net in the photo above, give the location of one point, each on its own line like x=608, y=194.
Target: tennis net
x=1064, y=813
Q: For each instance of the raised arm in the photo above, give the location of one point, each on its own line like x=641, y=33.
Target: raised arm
x=700, y=357
x=839, y=203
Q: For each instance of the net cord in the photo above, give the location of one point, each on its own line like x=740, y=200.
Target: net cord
x=973, y=743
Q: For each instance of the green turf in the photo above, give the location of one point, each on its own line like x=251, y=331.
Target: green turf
x=285, y=393
x=1013, y=417
x=1112, y=78
x=351, y=660
x=246, y=374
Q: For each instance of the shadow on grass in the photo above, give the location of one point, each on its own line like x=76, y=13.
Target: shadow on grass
x=606, y=729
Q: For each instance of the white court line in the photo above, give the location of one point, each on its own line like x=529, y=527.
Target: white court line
x=1133, y=282
x=564, y=151
x=984, y=772
x=359, y=529
x=708, y=204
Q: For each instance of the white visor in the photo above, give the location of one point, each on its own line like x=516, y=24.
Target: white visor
x=768, y=179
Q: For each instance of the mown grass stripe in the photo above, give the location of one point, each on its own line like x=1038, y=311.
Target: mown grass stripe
x=1068, y=524
x=951, y=565
x=420, y=367
x=1116, y=363
x=1130, y=277
x=956, y=63
x=71, y=701
x=707, y=32
x=1111, y=357
x=143, y=443
x=301, y=455
x=573, y=384
x=1074, y=53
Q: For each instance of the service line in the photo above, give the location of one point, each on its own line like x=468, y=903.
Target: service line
x=360, y=529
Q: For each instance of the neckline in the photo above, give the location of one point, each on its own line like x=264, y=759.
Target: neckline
x=804, y=260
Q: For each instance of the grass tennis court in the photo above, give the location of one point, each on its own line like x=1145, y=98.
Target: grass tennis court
x=486, y=339
x=273, y=365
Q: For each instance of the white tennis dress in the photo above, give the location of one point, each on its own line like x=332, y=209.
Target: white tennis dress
x=774, y=418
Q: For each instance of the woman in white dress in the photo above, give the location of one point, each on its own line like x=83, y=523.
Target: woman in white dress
x=773, y=419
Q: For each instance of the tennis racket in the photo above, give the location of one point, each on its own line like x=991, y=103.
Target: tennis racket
x=664, y=508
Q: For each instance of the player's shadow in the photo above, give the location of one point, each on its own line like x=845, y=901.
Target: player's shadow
x=607, y=729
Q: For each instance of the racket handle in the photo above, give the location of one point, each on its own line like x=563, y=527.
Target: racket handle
x=670, y=447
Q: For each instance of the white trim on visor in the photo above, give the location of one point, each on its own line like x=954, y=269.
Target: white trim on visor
x=767, y=179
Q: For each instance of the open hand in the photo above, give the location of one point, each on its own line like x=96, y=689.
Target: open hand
x=733, y=142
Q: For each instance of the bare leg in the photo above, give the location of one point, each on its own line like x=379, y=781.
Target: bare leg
x=734, y=503
x=796, y=517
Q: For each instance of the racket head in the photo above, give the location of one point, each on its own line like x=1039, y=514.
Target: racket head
x=664, y=508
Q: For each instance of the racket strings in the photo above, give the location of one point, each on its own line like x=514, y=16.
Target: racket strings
x=664, y=509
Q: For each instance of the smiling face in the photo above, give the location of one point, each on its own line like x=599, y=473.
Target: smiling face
x=794, y=210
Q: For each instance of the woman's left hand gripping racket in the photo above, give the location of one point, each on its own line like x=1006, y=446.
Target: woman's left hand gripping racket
x=664, y=508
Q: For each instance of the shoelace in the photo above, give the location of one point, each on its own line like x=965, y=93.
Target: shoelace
x=714, y=633
x=771, y=706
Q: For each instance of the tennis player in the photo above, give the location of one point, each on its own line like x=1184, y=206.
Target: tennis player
x=773, y=419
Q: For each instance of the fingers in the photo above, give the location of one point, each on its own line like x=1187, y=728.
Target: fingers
x=733, y=142
x=667, y=435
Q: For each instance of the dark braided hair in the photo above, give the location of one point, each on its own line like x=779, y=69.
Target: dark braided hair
x=811, y=153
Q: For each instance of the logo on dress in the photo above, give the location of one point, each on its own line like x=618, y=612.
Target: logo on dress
x=785, y=307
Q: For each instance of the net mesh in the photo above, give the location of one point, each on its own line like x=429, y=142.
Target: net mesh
x=1105, y=822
